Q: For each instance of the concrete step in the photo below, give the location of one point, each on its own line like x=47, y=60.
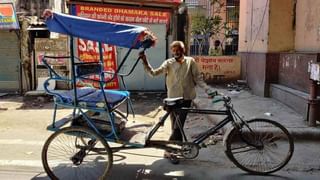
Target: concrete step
x=297, y=100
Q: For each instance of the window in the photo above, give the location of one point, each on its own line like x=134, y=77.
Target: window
x=232, y=22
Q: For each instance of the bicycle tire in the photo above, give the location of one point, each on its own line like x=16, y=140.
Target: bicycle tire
x=65, y=155
x=257, y=151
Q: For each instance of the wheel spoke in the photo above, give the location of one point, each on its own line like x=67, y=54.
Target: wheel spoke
x=76, y=153
x=245, y=148
x=264, y=147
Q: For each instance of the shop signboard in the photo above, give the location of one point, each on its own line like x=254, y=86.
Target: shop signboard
x=8, y=18
x=123, y=14
x=88, y=51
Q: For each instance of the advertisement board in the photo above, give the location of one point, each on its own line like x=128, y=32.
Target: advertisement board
x=8, y=18
x=123, y=14
x=219, y=68
x=88, y=51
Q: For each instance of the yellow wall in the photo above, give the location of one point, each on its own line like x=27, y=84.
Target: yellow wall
x=281, y=31
x=308, y=26
x=254, y=24
x=266, y=26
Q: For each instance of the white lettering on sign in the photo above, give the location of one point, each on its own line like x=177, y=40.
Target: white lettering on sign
x=86, y=45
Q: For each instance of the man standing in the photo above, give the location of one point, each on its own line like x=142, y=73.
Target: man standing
x=216, y=50
x=182, y=76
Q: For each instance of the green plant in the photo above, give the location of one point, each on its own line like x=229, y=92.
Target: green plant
x=211, y=27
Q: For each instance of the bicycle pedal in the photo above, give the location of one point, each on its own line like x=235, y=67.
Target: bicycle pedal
x=174, y=159
x=210, y=143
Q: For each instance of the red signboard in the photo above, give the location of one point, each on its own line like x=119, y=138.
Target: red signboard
x=88, y=51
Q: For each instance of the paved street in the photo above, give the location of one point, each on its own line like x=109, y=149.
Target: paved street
x=23, y=132
x=148, y=164
x=262, y=58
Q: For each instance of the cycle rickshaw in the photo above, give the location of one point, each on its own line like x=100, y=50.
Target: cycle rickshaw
x=79, y=147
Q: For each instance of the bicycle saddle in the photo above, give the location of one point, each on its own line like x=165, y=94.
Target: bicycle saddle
x=173, y=101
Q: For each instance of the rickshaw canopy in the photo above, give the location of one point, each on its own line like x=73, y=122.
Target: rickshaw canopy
x=119, y=34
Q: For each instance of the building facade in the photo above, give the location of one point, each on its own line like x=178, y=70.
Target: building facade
x=277, y=41
x=15, y=72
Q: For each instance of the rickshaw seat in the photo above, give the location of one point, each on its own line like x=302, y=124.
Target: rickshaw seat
x=93, y=98
x=96, y=99
x=68, y=96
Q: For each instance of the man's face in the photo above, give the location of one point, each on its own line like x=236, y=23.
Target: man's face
x=176, y=52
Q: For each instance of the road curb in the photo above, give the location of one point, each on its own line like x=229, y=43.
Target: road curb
x=305, y=134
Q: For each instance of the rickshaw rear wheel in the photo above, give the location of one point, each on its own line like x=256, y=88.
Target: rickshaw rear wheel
x=76, y=153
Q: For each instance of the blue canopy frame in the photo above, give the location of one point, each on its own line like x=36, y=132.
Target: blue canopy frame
x=118, y=34
x=112, y=33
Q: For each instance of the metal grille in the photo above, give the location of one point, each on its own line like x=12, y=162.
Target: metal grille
x=232, y=21
x=199, y=45
x=192, y=2
x=206, y=4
